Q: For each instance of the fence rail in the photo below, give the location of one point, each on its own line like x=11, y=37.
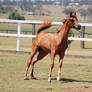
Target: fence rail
x=33, y=36
x=33, y=23
x=37, y=22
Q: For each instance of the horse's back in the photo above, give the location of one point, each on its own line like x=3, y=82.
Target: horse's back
x=44, y=40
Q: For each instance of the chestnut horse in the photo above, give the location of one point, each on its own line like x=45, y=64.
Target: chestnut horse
x=56, y=44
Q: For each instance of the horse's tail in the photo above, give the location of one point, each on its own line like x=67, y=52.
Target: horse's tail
x=44, y=26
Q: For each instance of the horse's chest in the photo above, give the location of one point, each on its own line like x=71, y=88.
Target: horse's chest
x=61, y=47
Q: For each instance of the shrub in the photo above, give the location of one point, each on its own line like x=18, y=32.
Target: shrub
x=15, y=15
x=70, y=33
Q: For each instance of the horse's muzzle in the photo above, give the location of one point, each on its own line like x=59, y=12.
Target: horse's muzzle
x=78, y=27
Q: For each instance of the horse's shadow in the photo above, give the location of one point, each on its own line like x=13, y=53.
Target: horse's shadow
x=65, y=80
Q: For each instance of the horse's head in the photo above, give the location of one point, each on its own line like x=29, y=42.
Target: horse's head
x=72, y=21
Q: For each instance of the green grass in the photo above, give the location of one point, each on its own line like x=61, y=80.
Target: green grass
x=75, y=48
x=28, y=27
x=76, y=74
x=12, y=27
x=9, y=43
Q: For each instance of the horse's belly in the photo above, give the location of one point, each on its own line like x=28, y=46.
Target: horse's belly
x=44, y=42
x=47, y=50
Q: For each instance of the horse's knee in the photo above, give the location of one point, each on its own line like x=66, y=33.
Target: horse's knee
x=52, y=65
x=60, y=63
x=28, y=64
x=32, y=63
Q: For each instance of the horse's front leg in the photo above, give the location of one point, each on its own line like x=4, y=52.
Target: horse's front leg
x=60, y=66
x=51, y=65
x=59, y=70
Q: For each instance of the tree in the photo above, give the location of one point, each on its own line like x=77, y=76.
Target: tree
x=86, y=2
x=84, y=13
x=68, y=10
x=15, y=15
x=66, y=2
x=26, y=5
x=6, y=2
x=39, y=6
x=89, y=12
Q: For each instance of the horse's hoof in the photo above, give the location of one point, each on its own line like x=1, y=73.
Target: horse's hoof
x=58, y=78
x=49, y=80
x=34, y=78
x=26, y=78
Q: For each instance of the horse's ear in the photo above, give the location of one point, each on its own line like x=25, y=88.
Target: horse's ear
x=64, y=20
x=75, y=13
x=70, y=14
x=58, y=30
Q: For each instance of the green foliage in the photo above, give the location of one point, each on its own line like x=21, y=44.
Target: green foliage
x=90, y=12
x=5, y=10
x=70, y=33
x=33, y=9
x=83, y=12
x=86, y=12
x=15, y=15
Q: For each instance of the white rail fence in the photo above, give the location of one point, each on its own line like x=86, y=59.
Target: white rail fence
x=19, y=35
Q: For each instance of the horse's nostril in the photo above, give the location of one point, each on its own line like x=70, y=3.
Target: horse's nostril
x=79, y=27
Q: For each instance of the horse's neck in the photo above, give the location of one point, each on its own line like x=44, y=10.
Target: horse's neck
x=63, y=34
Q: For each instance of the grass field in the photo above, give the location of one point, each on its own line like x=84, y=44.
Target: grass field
x=76, y=74
x=76, y=71
x=9, y=44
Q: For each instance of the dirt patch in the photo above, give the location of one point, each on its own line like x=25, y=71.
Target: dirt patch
x=79, y=56
x=86, y=87
x=77, y=89
x=50, y=89
x=27, y=53
x=14, y=53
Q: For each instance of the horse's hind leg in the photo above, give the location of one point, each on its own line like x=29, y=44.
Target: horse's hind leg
x=34, y=50
x=41, y=55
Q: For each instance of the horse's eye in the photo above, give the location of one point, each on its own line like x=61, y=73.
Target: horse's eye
x=72, y=20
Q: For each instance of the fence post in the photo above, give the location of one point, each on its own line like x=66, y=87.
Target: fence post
x=18, y=37
x=82, y=35
x=33, y=31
